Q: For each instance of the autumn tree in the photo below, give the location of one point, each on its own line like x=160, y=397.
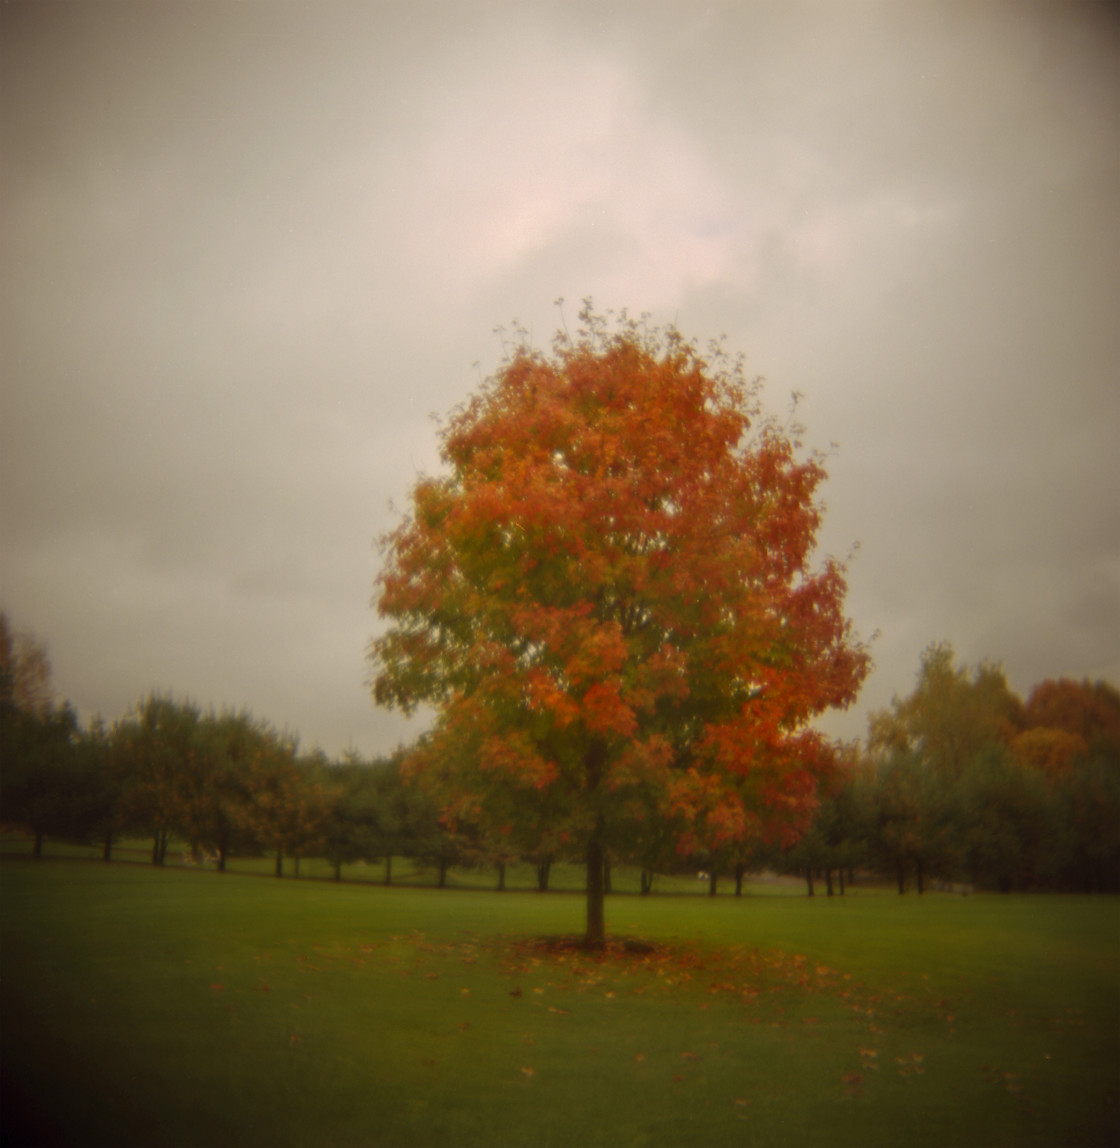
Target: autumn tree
x=156, y=751
x=215, y=793
x=289, y=801
x=953, y=714
x=1064, y=721
x=607, y=597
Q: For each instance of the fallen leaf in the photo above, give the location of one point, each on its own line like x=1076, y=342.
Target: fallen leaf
x=216, y=988
x=528, y=1072
x=691, y=1056
x=639, y=1057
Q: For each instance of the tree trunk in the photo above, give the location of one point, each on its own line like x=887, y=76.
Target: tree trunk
x=338, y=870
x=295, y=868
x=501, y=876
x=740, y=869
x=388, y=868
x=37, y=849
x=543, y=868
x=279, y=862
x=596, y=937
x=443, y=866
x=647, y=882
x=809, y=878
x=828, y=881
x=712, y=880
x=107, y=848
x=222, y=858
x=921, y=878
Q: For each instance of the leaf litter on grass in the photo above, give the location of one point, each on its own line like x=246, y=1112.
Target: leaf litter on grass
x=754, y=981
x=801, y=998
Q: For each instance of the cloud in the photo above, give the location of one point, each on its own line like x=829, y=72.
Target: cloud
x=249, y=248
x=529, y=153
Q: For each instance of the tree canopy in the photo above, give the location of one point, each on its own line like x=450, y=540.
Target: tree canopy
x=608, y=600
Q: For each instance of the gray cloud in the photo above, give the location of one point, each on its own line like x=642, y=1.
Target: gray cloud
x=248, y=248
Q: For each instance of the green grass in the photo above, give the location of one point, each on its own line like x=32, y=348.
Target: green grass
x=180, y=1007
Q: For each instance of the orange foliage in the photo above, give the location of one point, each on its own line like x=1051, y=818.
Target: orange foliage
x=608, y=596
x=1051, y=750
x=1088, y=711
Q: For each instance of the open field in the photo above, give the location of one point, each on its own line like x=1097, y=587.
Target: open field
x=182, y=1007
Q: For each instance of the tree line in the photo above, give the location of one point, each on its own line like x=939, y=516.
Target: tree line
x=962, y=783
x=959, y=784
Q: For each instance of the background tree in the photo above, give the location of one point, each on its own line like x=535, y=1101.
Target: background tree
x=289, y=801
x=216, y=792
x=157, y=751
x=1008, y=823
x=1089, y=805
x=25, y=672
x=351, y=831
x=42, y=783
x=1090, y=711
x=913, y=826
x=609, y=593
x=952, y=716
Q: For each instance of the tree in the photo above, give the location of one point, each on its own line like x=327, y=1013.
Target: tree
x=289, y=805
x=607, y=598
x=214, y=794
x=913, y=819
x=1089, y=804
x=951, y=717
x=156, y=750
x=25, y=672
x=352, y=830
x=42, y=784
x=1009, y=823
x=1089, y=710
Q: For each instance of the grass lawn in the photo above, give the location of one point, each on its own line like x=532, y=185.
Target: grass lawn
x=182, y=1007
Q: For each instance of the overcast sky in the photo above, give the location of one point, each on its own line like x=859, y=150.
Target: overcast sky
x=248, y=246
